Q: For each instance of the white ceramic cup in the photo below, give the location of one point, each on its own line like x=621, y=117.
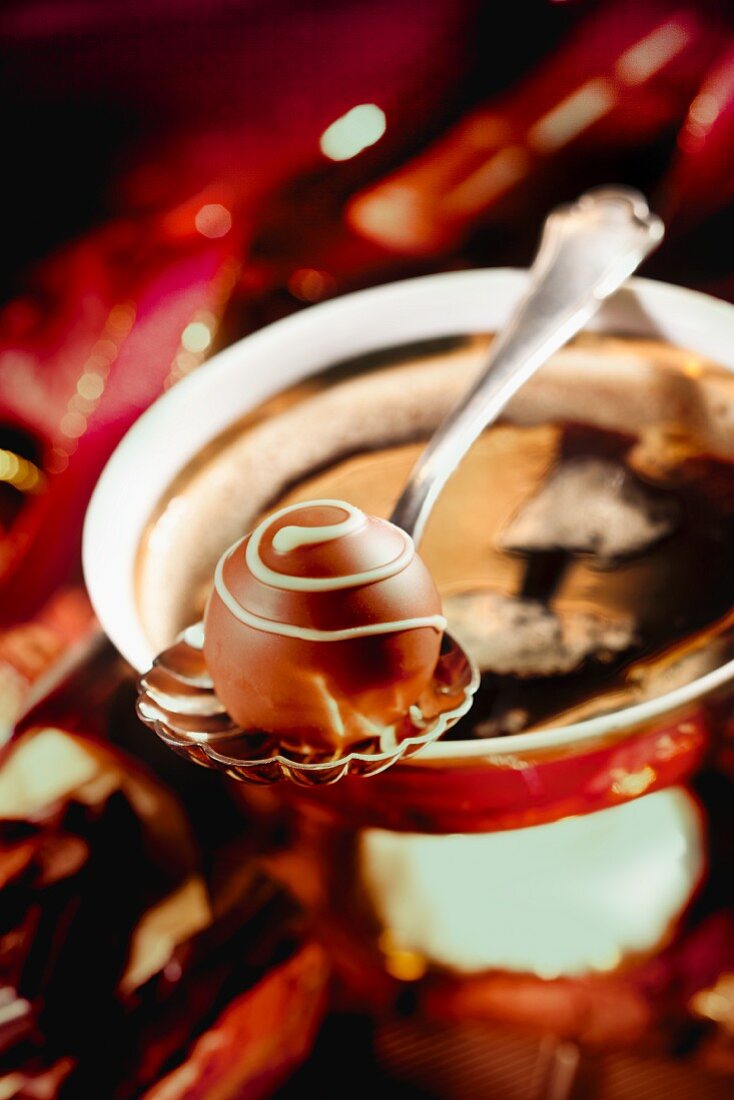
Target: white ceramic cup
x=198, y=409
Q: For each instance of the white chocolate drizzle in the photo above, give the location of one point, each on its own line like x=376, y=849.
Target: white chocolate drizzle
x=290, y=538
x=294, y=536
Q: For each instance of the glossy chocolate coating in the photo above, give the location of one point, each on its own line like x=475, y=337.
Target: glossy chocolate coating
x=323, y=626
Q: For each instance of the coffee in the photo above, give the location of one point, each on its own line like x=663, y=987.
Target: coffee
x=582, y=549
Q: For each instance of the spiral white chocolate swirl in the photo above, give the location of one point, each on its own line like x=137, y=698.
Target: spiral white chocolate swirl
x=290, y=538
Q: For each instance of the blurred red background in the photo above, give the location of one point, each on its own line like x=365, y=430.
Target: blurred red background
x=178, y=175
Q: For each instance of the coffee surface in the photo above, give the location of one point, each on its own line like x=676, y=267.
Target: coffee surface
x=562, y=633
x=582, y=549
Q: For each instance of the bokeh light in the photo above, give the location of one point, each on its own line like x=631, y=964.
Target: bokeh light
x=196, y=337
x=356, y=130
x=213, y=220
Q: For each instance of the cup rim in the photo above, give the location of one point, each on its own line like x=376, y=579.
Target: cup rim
x=172, y=431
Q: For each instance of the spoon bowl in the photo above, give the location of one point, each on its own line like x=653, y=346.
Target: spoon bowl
x=177, y=700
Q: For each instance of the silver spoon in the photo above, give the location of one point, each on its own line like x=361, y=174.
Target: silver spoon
x=586, y=252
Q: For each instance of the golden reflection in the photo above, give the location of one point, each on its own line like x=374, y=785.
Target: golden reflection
x=572, y=116
x=633, y=784
x=704, y=109
x=198, y=335
x=498, y=174
x=393, y=215
x=641, y=61
x=73, y=424
x=90, y=384
x=19, y=472
x=693, y=367
x=400, y=962
x=716, y=1003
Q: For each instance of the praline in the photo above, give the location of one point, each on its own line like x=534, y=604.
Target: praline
x=323, y=626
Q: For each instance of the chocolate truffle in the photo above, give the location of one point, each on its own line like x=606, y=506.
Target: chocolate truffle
x=323, y=626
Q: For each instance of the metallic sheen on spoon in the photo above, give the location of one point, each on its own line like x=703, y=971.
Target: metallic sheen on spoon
x=586, y=252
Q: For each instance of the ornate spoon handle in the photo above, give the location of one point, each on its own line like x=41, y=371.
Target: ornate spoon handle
x=586, y=252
